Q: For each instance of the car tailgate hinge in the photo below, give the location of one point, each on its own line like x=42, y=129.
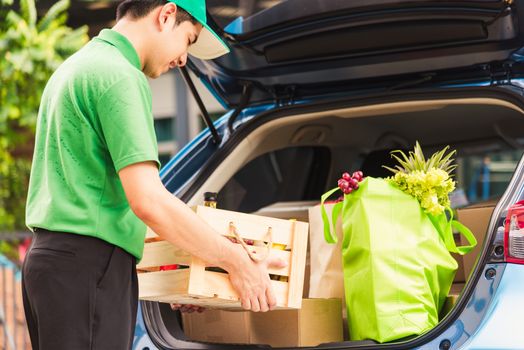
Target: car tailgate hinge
x=284, y=95
x=501, y=73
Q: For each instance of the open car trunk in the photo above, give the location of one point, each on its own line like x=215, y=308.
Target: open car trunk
x=280, y=165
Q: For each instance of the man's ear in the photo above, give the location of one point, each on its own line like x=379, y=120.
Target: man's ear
x=167, y=16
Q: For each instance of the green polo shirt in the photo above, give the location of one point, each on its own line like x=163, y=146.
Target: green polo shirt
x=95, y=118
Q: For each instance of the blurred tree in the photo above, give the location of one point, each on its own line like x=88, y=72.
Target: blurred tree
x=31, y=48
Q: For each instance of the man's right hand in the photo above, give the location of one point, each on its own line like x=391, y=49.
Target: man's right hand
x=251, y=281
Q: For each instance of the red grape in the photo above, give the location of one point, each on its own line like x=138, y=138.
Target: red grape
x=349, y=183
x=343, y=183
x=358, y=175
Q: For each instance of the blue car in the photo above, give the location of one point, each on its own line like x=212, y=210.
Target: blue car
x=317, y=87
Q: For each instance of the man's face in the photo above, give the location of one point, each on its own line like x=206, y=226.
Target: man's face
x=170, y=50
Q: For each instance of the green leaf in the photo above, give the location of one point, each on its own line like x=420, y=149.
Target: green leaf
x=28, y=9
x=405, y=164
x=416, y=161
x=394, y=171
x=13, y=19
x=52, y=14
x=30, y=53
x=418, y=155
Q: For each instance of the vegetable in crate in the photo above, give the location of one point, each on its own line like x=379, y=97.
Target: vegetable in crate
x=396, y=247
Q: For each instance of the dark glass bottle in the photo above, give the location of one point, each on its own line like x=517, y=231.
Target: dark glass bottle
x=210, y=199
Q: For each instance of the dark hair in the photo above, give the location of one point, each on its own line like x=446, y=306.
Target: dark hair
x=140, y=8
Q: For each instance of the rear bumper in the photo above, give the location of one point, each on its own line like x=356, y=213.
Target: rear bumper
x=501, y=327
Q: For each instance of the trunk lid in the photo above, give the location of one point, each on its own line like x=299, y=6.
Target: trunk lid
x=306, y=48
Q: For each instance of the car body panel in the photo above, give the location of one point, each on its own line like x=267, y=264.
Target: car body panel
x=340, y=43
x=465, y=326
x=501, y=327
x=141, y=340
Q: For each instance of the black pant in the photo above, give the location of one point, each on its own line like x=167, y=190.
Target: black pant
x=79, y=293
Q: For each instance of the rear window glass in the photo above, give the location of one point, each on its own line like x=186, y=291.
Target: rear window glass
x=291, y=174
x=484, y=177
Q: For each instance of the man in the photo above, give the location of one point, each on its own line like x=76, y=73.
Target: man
x=95, y=185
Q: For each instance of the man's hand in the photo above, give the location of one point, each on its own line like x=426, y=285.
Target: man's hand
x=187, y=308
x=251, y=281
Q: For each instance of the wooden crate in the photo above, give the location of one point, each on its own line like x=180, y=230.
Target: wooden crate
x=196, y=285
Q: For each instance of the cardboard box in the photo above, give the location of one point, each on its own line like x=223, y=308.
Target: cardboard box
x=476, y=218
x=459, y=276
x=451, y=299
x=319, y=321
x=218, y=326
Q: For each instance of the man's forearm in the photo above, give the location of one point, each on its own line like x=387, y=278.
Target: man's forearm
x=175, y=222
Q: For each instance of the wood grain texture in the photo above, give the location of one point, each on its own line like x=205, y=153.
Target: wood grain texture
x=298, y=258
x=211, y=289
x=248, y=226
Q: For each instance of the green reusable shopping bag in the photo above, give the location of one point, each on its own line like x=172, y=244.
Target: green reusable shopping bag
x=396, y=261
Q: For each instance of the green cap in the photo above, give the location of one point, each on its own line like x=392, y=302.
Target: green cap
x=209, y=45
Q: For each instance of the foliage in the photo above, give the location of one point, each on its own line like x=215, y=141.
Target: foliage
x=31, y=48
x=427, y=180
x=417, y=162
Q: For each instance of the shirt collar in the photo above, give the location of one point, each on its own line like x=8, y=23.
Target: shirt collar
x=122, y=44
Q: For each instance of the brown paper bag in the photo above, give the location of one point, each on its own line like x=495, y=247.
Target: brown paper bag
x=326, y=276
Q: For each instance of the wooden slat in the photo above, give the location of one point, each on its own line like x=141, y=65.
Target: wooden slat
x=169, y=298
x=248, y=225
x=148, y=269
x=211, y=303
x=217, y=285
x=158, y=284
x=163, y=253
x=281, y=290
x=298, y=258
x=166, y=291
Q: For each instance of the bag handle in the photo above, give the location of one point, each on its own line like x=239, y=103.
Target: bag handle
x=466, y=232
x=329, y=226
x=446, y=232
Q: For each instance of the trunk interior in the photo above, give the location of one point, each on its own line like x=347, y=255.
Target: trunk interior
x=283, y=166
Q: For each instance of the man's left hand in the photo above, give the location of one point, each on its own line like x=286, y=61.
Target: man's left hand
x=187, y=308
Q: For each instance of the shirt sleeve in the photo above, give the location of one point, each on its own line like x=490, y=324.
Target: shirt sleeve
x=126, y=119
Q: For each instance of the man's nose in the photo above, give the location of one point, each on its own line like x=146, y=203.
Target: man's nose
x=182, y=60
x=179, y=63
